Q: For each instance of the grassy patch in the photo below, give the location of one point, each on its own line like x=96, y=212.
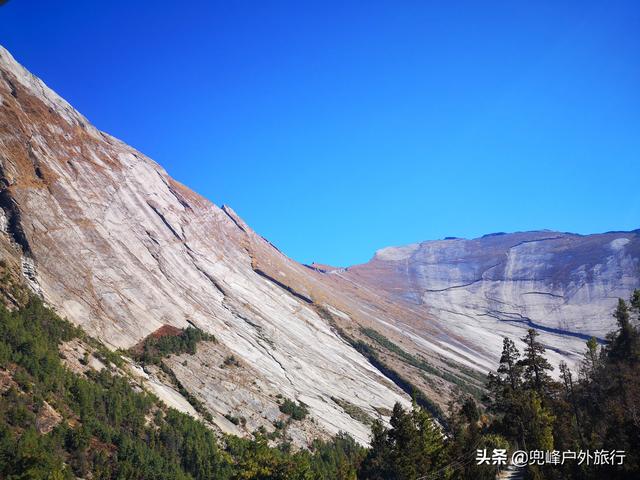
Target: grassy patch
x=383, y=411
x=404, y=384
x=371, y=355
x=422, y=364
x=354, y=411
x=197, y=405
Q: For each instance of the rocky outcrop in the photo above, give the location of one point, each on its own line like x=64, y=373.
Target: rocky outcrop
x=109, y=240
x=564, y=285
x=47, y=419
x=120, y=248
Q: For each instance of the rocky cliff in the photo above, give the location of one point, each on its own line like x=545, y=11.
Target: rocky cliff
x=564, y=285
x=110, y=241
x=121, y=249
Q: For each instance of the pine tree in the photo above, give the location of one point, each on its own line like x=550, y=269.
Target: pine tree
x=509, y=366
x=466, y=438
x=535, y=364
x=506, y=393
x=600, y=410
x=377, y=464
x=620, y=347
x=617, y=412
x=403, y=436
x=635, y=303
x=571, y=398
x=508, y=381
x=539, y=430
x=411, y=448
x=590, y=361
x=428, y=442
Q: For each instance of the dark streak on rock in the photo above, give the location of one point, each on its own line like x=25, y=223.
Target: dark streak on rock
x=543, y=293
x=283, y=286
x=520, y=319
x=164, y=220
x=12, y=212
x=233, y=219
x=172, y=190
x=213, y=281
x=453, y=287
x=557, y=237
x=14, y=91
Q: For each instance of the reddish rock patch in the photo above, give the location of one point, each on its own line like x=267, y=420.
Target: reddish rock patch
x=166, y=331
x=163, y=331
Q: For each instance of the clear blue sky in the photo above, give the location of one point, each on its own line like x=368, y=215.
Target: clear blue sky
x=335, y=129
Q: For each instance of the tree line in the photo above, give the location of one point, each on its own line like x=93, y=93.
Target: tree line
x=109, y=430
x=592, y=409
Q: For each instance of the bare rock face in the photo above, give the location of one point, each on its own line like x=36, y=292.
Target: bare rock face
x=47, y=419
x=120, y=248
x=565, y=285
x=110, y=241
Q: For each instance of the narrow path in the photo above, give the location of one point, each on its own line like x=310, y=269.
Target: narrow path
x=511, y=473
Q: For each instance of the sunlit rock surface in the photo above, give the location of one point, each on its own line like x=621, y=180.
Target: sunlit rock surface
x=118, y=247
x=114, y=244
x=563, y=284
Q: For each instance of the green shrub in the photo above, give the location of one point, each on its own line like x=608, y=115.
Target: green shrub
x=297, y=411
x=154, y=349
x=231, y=361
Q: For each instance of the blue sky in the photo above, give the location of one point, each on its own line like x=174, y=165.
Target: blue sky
x=337, y=128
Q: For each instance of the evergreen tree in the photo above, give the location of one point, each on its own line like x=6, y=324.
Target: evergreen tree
x=338, y=459
x=616, y=413
x=599, y=410
x=635, y=303
x=467, y=437
x=428, y=443
x=535, y=364
x=377, y=464
x=621, y=344
x=571, y=398
x=402, y=438
x=411, y=448
x=509, y=364
x=506, y=393
x=508, y=380
x=590, y=361
x=539, y=421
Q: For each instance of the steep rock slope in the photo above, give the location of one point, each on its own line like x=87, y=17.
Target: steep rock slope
x=563, y=284
x=106, y=237
x=118, y=247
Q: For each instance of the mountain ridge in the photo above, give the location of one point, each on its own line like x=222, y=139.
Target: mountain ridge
x=484, y=236
x=120, y=248
x=558, y=265
x=112, y=242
